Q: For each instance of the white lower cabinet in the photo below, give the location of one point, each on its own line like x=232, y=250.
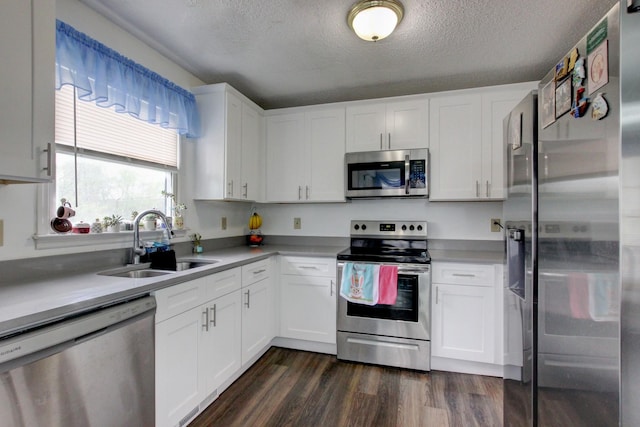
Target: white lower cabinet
x=178, y=349
x=257, y=309
x=465, y=321
x=198, y=344
x=307, y=298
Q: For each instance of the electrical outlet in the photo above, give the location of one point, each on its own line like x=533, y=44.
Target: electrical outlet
x=297, y=223
x=1, y=232
x=496, y=225
x=223, y=223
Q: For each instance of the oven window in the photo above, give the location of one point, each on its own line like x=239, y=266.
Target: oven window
x=376, y=176
x=405, y=308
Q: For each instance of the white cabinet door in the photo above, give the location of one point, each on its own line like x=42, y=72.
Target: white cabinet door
x=326, y=132
x=252, y=168
x=178, y=352
x=407, y=124
x=27, y=44
x=388, y=126
x=308, y=308
x=455, y=147
x=495, y=107
x=285, y=151
x=463, y=322
x=257, y=317
x=366, y=127
x=224, y=349
x=233, y=147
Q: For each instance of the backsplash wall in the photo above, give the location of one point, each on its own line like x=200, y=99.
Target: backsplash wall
x=446, y=220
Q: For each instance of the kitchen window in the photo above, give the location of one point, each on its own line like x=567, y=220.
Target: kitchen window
x=109, y=163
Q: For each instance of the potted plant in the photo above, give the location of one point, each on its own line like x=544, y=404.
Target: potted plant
x=150, y=222
x=178, y=209
x=196, y=242
x=112, y=223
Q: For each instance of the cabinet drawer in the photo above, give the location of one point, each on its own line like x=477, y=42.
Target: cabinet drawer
x=255, y=272
x=308, y=266
x=464, y=274
x=223, y=283
x=179, y=298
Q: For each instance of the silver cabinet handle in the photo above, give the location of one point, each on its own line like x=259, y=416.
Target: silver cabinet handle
x=49, y=159
x=248, y=298
x=389, y=140
x=307, y=192
x=331, y=287
x=437, y=292
x=381, y=141
x=487, y=188
x=407, y=167
x=463, y=275
x=309, y=267
x=299, y=192
x=246, y=189
x=205, y=325
x=259, y=271
x=213, y=315
x=477, y=188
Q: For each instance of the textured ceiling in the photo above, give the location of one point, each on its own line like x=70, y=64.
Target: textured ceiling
x=283, y=53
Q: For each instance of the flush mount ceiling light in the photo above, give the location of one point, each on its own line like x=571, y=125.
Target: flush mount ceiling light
x=373, y=20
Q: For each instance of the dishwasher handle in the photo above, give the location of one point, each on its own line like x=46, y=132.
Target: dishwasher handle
x=74, y=329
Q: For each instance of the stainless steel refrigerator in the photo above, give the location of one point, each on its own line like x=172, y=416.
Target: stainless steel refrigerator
x=572, y=288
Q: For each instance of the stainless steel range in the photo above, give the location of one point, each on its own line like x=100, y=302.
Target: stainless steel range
x=396, y=334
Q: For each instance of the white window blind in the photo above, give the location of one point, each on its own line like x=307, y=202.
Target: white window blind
x=101, y=130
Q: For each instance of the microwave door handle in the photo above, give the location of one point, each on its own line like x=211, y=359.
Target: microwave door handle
x=407, y=165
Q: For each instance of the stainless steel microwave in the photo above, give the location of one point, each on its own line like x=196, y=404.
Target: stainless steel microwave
x=389, y=173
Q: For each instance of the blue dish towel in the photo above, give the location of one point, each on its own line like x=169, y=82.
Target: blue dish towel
x=360, y=283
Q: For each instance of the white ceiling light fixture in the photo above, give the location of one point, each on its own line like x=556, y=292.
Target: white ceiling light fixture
x=373, y=20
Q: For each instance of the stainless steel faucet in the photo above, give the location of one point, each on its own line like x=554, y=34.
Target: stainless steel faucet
x=138, y=248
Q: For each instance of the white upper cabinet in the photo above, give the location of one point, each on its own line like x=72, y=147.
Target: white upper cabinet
x=27, y=44
x=388, y=125
x=305, y=156
x=455, y=149
x=466, y=142
x=228, y=152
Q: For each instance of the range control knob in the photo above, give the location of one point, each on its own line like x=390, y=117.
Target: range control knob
x=412, y=228
x=357, y=227
x=364, y=227
x=404, y=228
x=419, y=228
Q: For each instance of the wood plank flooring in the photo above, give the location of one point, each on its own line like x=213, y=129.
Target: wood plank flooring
x=296, y=388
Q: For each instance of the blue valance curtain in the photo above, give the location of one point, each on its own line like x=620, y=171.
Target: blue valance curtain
x=102, y=75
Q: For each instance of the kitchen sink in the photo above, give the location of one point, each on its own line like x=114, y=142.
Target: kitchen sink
x=182, y=265
x=142, y=271
x=140, y=274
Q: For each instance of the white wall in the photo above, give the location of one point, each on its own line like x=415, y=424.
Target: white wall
x=446, y=220
x=18, y=202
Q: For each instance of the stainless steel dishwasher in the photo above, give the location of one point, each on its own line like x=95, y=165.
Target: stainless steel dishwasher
x=94, y=369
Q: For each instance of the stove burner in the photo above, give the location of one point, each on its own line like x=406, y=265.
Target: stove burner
x=388, y=242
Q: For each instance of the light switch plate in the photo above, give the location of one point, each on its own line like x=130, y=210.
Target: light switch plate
x=297, y=223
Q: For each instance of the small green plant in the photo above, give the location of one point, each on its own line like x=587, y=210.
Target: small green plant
x=112, y=220
x=134, y=214
x=195, y=239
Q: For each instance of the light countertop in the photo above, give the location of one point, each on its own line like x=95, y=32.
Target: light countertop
x=30, y=303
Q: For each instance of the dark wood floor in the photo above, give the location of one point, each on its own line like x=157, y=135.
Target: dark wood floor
x=295, y=388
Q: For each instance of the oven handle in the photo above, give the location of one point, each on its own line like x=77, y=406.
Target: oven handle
x=402, y=269
x=407, y=167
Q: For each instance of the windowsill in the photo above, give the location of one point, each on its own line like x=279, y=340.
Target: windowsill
x=122, y=238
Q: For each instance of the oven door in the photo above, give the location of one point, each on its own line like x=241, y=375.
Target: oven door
x=408, y=318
